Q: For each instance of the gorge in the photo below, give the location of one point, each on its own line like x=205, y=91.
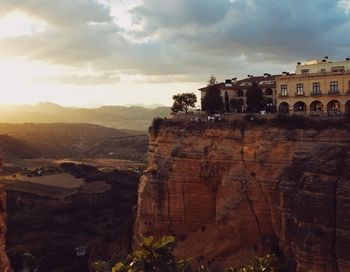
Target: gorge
x=232, y=190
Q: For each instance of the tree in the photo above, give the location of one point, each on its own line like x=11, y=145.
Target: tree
x=236, y=104
x=212, y=81
x=212, y=100
x=183, y=102
x=267, y=104
x=254, y=98
x=227, y=102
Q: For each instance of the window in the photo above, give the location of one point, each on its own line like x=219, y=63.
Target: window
x=323, y=70
x=334, y=87
x=284, y=90
x=338, y=69
x=267, y=82
x=304, y=71
x=300, y=89
x=316, y=89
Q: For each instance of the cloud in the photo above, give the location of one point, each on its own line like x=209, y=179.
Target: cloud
x=64, y=13
x=180, y=39
x=158, y=14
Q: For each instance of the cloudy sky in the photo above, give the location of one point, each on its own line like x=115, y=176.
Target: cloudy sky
x=115, y=52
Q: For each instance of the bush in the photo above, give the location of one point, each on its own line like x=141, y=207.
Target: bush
x=267, y=263
x=157, y=255
x=156, y=125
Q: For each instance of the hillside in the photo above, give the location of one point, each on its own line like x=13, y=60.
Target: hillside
x=133, y=117
x=71, y=141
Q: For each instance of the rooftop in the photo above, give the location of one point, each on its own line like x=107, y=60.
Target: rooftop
x=266, y=80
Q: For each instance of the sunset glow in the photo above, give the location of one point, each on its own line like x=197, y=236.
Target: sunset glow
x=132, y=51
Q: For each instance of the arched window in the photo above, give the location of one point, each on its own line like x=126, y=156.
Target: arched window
x=283, y=107
x=347, y=107
x=268, y=91
x=299, y=107
x=333, y=106
x=316, y=106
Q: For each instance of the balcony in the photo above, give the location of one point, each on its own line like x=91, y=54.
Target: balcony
x=316, y=93
x=282, y=95
x=333, y=92
x=299, y=94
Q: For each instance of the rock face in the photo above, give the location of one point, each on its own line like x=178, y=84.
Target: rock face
x=229, y=193
x=4, y=263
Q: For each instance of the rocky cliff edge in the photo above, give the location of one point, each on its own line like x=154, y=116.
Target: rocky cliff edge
x=229, y=192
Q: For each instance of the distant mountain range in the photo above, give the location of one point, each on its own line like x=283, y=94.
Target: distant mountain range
x=71, y=141
x=120, y=117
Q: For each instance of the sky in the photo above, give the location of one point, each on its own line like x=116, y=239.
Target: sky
x=116, y=52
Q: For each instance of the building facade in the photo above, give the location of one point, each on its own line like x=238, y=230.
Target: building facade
x=236, y=90
x=317, y=86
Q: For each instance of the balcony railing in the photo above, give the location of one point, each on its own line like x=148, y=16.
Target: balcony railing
x=299, y=94
x=316, y=93
x=334, y=92
x=283, y=95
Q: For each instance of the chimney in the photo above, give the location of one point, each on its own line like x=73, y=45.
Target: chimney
x=228, y=83
x=324, y=60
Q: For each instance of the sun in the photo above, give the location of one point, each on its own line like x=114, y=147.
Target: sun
x=15, y=24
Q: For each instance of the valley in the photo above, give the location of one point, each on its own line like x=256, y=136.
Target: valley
x=71, y=193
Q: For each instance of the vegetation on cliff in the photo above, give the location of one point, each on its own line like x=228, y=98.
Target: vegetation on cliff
x=251, y=120
x=183, y=102
x=157, y=255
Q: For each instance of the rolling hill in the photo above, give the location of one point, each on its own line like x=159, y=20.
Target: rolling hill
x=119, y=117
x=62, y=140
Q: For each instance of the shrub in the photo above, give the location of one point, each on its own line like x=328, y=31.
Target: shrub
x=157, y=255
x=156, y=125
x=154, y=255
x=267, y=263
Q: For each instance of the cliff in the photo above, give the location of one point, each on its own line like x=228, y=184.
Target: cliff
x=232, y=191
x=4, y=263
x=48, y=223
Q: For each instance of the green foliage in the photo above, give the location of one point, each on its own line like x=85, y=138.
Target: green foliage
x=212, y=81
x=156, y=124
x=153, y=255
x=267, y=263
x=183, y=102
x=254, y=98
x=157, y=255
x=236, y=104
x=227, y=102
x=212, y=100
